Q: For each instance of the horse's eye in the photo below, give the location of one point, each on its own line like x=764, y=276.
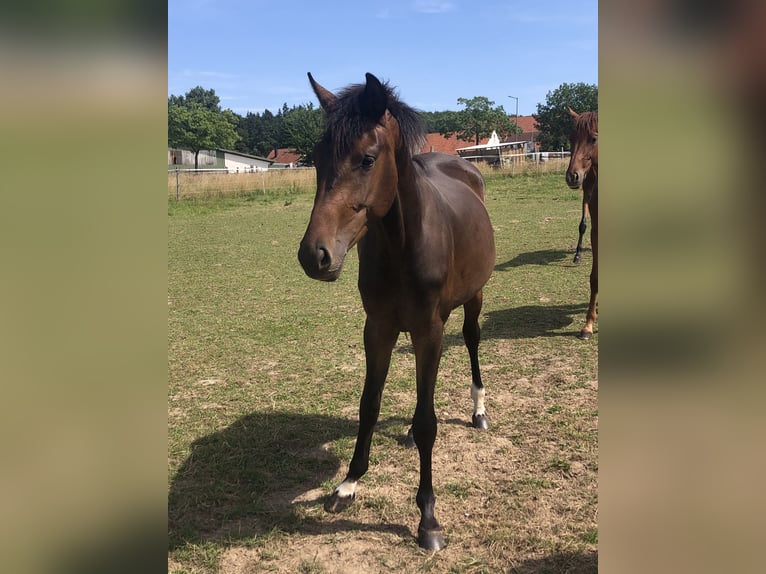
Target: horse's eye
x=368, y=161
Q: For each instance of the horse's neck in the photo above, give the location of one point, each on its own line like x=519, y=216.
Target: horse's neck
x=397, y=224
x=594, y=161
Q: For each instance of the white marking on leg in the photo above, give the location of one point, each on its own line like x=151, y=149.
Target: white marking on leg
x=478, y=400
x=346, y=488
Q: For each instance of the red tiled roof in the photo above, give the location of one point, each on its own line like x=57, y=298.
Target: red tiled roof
x=434, y=142
x=528, y=124
x=437, y=142
x=284, y=155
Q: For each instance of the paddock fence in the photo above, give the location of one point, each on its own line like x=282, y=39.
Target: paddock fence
x=188, y=183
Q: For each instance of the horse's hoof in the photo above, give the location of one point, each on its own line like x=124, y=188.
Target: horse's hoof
x=431, y=539
x=338, y=503
x=480, y=422
x=409, y=440
x=585, y=335
x=577, y=258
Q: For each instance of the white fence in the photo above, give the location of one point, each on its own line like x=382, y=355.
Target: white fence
x=496, y=158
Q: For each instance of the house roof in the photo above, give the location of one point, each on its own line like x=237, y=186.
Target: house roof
x=247, y=155
x=528, y=124
x=434, y=142
x=439, y=143
x=284, y=155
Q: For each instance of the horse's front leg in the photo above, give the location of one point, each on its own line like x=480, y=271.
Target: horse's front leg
x=590, y=319
x=582, y=228
x=379, y=341
x=428, y=346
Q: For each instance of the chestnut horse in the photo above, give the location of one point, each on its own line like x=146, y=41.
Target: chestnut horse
x=425, y=246
x=583, y=171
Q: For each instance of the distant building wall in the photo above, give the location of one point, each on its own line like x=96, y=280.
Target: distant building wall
x=207, y=158
x=235, y=162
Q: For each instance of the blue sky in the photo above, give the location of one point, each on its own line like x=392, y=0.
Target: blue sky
x=255, y=54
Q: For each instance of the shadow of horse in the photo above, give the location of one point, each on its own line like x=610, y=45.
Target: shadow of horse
x=517, y=323
x=542, y=257
x=570, y=562
x=532, y=321
x=244, y=480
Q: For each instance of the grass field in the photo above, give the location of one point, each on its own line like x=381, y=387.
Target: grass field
x=266, y=369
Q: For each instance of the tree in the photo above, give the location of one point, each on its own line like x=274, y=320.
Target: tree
x=303, y=129
x=478, y=120
x=204, y=98
x=553, y=118
x=196, y=128
x=196, y=122
x=441, y=122
x=270, y=134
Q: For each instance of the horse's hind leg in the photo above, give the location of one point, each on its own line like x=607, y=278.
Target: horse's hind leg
x=379, y=341
x=472, y=335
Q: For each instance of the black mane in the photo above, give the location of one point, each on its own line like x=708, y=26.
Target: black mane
x=349, y=119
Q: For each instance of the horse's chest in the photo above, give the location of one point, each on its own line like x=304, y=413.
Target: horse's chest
x=401, y=292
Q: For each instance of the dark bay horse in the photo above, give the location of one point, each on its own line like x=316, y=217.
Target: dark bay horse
x=583, y=171
x=425, y=246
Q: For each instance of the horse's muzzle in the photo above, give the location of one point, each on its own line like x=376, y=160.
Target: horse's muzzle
x=573, y=179
x=317, y=261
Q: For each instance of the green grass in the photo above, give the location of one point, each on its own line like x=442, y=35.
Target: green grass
x=265, y=369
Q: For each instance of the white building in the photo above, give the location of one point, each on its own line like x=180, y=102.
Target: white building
x=219, y=160
x=238, y=162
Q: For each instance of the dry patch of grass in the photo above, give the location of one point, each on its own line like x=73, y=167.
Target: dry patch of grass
x=216, y=184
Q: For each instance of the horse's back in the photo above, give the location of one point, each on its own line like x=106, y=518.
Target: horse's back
x=456, y=188
x=445, y=170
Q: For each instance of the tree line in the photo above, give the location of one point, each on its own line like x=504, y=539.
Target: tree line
x=196, y=122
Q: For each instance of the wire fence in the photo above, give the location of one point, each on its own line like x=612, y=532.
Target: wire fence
x=186, y=183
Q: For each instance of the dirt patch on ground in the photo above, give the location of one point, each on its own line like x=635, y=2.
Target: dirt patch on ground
x=521, y=497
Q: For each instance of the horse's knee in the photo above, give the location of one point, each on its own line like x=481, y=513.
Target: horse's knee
x=424, y=431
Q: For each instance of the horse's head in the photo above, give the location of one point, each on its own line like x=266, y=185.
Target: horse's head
x=584, y=141
x=356, y=166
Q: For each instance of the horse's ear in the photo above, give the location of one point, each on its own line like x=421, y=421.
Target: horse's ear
x=326, y=97
x=374, y=98
x=573, y=113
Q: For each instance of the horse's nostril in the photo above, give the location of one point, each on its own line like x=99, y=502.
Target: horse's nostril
x=323, y=257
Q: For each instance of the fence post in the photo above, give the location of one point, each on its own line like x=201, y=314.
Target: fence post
x=177, y=187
